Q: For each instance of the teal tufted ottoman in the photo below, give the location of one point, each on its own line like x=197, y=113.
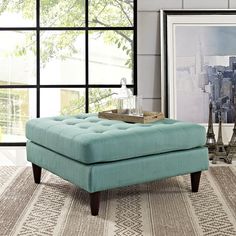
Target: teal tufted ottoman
x=97, y=154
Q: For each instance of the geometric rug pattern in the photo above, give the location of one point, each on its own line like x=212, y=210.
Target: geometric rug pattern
x=164, y=207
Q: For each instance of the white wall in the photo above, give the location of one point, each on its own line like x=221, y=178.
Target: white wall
x=149, y=43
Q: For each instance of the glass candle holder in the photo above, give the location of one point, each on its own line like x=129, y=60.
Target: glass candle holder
x=137, y=108
x=139, y=105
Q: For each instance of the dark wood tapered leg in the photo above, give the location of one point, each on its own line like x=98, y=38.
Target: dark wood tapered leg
x=195, y=180
x=37, y=173
x=94, y=203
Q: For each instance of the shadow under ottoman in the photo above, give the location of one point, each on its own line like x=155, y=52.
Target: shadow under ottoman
x=97, y=154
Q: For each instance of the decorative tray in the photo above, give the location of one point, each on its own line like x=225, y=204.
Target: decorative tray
x=146, y=118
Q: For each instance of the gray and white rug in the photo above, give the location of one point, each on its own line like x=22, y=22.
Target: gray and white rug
x=166, y=207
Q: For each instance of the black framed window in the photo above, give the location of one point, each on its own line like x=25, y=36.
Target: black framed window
x=62, y=58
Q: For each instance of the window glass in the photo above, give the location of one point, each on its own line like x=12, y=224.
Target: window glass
x=66, y=62
x=17, y=57
x=62, y=101
x=17, y=13
x=109, y=13
x=103, y=99
x=62, y=13
x=17, y=106
x=110, y=56
x=62, y=57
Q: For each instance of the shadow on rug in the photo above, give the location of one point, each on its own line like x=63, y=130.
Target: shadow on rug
x=166, y=207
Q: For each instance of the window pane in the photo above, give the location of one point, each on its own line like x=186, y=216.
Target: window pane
x=62, y=101
x=17, y=13
x=16, y=107
x=62, y=57
x=111, y=13
x=17, y=57
x=110, y=57
x=62, y=13
x=102, y=99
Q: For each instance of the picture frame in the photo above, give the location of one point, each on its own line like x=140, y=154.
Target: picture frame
x=198, y=65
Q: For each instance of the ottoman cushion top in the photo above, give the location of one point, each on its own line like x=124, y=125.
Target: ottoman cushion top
x=89, y=139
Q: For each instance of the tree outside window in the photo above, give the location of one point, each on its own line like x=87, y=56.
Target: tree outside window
x=66, y=60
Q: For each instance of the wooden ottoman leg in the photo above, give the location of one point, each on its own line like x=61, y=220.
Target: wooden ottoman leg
x=37, y=173
x=94, y=203
x=195, y=180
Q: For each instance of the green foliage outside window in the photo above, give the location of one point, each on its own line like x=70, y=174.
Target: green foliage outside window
x=64, y=13
x=14, y=103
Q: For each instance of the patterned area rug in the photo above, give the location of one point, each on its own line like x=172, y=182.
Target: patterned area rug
x=166, y=207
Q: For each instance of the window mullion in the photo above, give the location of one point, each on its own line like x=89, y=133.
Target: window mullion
x=86, y=56
x=38, y=58
x=135, y=82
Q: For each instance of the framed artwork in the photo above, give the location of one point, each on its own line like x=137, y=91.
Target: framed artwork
x=198, y=50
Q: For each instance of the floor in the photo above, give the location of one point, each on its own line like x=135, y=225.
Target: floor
x=16, y=156
x=13, y=156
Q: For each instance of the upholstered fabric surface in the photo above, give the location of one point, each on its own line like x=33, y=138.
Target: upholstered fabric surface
x=102, y=176
x=89, y=139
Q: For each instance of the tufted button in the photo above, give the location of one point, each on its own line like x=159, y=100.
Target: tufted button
x=122, y=128
x=106, y=124
x=70, y=123
x=99, y=131
x=93, y=121
x=58, y=119
x=80, y=117
x=145, y=125
x=83, y=127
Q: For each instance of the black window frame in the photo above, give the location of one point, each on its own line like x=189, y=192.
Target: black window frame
x=86, y=86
